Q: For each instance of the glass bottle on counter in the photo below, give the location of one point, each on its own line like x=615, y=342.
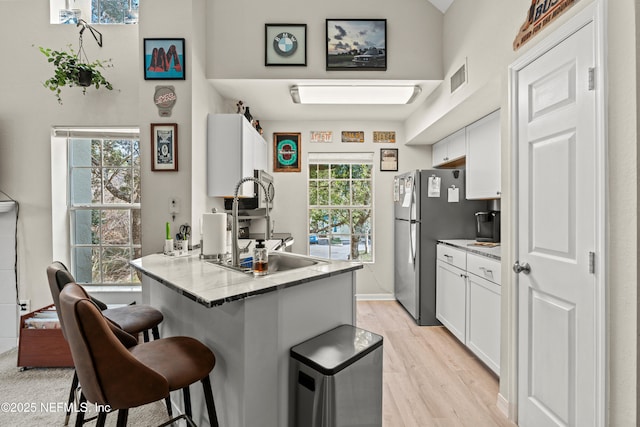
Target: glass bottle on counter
x=260, y=259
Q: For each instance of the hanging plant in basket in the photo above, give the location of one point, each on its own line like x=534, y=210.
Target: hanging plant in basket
x=72, y=69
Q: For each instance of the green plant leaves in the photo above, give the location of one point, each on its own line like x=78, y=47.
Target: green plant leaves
x=66, y=66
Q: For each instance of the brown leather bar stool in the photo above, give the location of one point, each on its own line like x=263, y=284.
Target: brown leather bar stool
x=132, y=319
x=153, y=369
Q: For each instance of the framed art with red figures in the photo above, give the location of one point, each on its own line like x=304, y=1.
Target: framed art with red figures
x=164, y=59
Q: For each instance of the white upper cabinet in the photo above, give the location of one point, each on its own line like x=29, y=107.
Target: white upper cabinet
x=450, y=149
x=483, y=158
x=234, y=150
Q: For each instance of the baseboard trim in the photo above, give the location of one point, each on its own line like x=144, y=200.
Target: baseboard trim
x=503, y=405
x=375, y=297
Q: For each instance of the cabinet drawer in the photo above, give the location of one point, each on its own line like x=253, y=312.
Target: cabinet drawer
x=484, y=267
x=453, y=256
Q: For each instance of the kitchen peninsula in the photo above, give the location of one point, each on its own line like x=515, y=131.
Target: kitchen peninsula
x=250, y=323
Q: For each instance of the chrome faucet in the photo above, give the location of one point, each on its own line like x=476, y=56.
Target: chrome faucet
x=235, y=252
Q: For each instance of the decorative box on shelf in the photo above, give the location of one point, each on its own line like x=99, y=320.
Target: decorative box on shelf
x=41, y=341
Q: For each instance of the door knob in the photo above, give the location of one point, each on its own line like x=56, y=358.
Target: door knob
x=521, y=268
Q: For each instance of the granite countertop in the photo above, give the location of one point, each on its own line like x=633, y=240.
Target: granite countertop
x=469, y=246
x=212, y=285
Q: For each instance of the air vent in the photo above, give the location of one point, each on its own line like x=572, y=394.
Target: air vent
x=459, y=78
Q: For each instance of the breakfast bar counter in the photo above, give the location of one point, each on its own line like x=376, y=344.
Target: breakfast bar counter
x=250, y=323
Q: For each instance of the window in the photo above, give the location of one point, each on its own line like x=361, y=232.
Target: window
x=94, y=11
x=104, y=208
x=340, y=192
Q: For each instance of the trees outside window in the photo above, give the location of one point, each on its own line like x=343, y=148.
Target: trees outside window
x=94, y=11
x=341, y=210
x=104, y=208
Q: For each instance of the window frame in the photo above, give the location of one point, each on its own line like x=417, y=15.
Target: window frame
x=84, y=9
x=72, y=208
x=350, y=159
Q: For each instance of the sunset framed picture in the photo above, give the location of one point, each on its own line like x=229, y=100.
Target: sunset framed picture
x=356, y=44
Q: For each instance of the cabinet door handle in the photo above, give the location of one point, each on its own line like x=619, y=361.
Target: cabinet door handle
x=448, y=257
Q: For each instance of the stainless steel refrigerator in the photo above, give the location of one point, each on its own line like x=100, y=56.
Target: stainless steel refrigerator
x=428, y=205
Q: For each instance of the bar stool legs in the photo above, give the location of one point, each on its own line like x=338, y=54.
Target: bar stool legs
x=74, y=386
x=208, y=396
x=187, y=401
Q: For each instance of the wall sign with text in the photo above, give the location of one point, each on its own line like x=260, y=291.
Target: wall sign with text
x=540, y=14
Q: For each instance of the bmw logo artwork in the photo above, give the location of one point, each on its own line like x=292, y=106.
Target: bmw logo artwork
x=285, y=44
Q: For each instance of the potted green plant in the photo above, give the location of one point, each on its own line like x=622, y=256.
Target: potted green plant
x=70, y=69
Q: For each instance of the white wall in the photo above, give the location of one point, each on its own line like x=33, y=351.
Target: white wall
x=289, y=213
x=237, y=38
x=29, y=111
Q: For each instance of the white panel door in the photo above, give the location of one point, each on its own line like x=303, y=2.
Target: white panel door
x=557, y=362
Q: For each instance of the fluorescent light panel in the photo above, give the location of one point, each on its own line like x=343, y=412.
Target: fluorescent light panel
x=354, y=94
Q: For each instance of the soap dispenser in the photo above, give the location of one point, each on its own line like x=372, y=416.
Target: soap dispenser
x=260, y=259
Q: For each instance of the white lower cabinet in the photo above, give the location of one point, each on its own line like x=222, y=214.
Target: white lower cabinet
x=451, y=290
x=483, y=321
x=468, y=301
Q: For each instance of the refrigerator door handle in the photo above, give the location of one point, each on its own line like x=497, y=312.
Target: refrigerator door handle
x=412, y=220
x=413, y=253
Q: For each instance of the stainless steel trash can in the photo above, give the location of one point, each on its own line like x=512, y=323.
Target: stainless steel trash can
x=336, y=380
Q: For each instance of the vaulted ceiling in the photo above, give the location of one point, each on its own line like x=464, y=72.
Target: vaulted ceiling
x=442, y=5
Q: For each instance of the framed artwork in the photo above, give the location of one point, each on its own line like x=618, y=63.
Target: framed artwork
x=164, y=147
x=321, y=136
x=286, y=152
x=356, y=44
x=164, y=59
x=352, y=136
x=384, y=136
x=285, y=44
x=389, y=159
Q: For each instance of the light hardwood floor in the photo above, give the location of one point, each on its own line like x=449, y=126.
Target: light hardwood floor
x=429, y=377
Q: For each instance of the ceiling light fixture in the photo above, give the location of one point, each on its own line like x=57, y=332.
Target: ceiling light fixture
x=354, y=94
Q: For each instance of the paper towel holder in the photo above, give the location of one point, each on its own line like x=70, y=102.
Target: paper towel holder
x=219, y=258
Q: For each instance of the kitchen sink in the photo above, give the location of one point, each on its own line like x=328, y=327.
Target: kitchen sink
x=279, y=262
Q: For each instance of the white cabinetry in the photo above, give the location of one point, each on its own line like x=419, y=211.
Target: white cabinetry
x=483, y=310
x=449, y=149
x=451, y=290
x=468, y=301
x=8, y=307
x=234, y=150
x=483, y=158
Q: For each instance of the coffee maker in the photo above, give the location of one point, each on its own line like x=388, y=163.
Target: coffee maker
x=488, y=226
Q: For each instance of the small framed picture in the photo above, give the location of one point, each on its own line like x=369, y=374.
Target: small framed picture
x=285, y=44
x=389, y=159
x=164, y=147
x=164, y=59
x=356, y=44
x=321, y=136
x=352, y=136
x=384, y=136
x=286, y=152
